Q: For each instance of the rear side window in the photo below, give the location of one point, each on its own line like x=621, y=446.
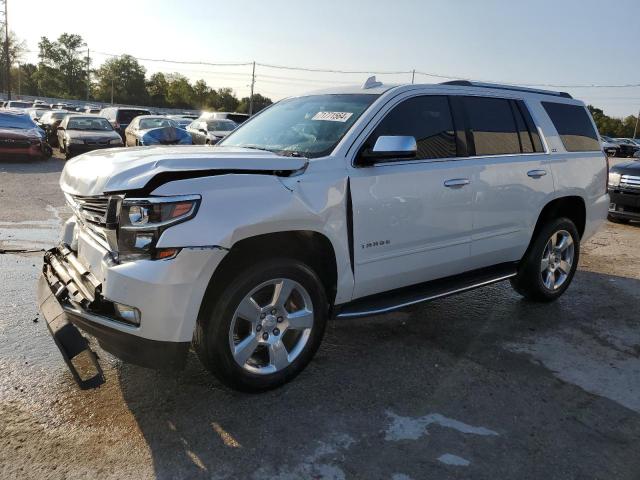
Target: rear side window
x=492, y=124
x=428, y=120
x=574, y=127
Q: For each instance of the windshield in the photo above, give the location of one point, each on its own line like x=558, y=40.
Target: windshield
x=311, y=126
x=94, y=124
x=221, y=125
x=16, y=121
x=19, y=105
x=147, y=123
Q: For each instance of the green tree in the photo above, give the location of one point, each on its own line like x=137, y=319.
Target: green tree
x=62, y=70
x=24, y=79
x=613, y=127
x=157, y=87
x=17, y=49
x=179, y=91
x=225, y=100
x=125, y=77
x=259, y=102
x=201, y=92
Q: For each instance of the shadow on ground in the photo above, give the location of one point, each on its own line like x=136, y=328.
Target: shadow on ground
x=372, y=402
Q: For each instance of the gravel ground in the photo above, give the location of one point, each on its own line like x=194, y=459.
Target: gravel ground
x=481, y=385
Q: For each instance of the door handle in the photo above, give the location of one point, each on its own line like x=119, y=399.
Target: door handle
x=536, y=173
x=456, y=182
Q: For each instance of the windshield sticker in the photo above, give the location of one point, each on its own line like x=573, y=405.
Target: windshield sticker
x=332, y=116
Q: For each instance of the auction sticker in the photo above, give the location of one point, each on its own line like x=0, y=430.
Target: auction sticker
x=332, y=116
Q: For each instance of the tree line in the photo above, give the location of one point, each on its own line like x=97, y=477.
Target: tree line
x=614, y=127
x=64, y=71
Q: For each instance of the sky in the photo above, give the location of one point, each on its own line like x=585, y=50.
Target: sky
x=557, y=42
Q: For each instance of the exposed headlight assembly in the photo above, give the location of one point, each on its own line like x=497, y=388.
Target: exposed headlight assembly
x=75, y=141
x=614, y=179
x=115, y=141
x=142, y=221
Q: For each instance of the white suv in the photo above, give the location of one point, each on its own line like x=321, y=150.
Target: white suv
x=341, y=203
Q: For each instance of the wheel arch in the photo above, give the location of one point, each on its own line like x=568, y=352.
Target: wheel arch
x=572, y=207
x=311, y=247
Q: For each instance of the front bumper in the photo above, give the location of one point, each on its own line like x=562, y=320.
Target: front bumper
x=625, y=204
x=79, y=148
x=69, y=295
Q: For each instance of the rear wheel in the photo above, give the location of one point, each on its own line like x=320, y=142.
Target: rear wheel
x=263, y=328
x=548, y=267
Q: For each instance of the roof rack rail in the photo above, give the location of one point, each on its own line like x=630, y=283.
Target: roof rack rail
x=497, y=86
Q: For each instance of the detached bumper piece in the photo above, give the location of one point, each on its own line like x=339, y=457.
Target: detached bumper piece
x=70, y=297
x=62, y=282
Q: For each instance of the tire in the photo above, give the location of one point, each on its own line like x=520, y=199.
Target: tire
x=613, y=219
x=534, y=281
x=224, y=318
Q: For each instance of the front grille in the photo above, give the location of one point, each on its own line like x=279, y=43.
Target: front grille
x=169, y=142
x=629, y=181
x=101, y=143
x=91, y=209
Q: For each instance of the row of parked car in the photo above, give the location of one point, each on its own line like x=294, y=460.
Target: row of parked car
x=34, y=128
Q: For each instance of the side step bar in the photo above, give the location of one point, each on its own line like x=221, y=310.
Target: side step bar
x=424, y=292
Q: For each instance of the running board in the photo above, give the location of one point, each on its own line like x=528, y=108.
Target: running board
x=424, y=292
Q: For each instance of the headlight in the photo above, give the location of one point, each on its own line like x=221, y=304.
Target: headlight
x=142, y=221
x=75, y=141
x=115, y=141
x=614, y=179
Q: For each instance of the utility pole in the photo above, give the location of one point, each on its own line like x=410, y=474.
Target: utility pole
x=6, y=49
x=253, y=82
x=635, y=130
x=112, y=89
x=88, y=74
x=413, y=76
x=19, y=82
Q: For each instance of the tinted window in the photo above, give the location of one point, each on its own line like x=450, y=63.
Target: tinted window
x=493, y=126
x=428, y=120
x=526, y=144
x=125, y=116
x=574, y=126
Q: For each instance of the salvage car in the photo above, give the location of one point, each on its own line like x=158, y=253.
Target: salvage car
x=345, y=203
x=611, y=147
x=20, y=137
x=210, y=132
x=49, y=122
x=155, y=130
x=624, y=191
x=627, y=147
x=83, y=133
x=120, y=117
x=238, y=118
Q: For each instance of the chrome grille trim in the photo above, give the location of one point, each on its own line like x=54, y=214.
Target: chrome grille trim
x=630, y=181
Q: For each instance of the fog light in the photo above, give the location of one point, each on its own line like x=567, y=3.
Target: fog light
x=127, y=314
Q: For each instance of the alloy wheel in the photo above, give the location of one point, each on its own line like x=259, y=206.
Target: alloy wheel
x=557, y=260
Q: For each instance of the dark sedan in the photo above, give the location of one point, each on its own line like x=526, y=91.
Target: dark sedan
x=20, y=137
x=624, y=192
x=210, y=132
x=83, y=133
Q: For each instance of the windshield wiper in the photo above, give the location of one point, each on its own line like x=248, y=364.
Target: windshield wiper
x=255, y=147
x=290, y=153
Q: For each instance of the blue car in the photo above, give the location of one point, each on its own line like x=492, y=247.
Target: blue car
x=155, y=130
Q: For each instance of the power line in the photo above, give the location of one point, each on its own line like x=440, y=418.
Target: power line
x=181, y=62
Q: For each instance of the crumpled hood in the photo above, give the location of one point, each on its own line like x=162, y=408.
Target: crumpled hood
x=93, y=134
x=120, y=169
x=19, y=134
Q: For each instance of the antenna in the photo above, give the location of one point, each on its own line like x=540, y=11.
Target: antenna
x=371, y=83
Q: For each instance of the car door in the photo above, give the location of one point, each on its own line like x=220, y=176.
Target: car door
x=412, y=219
x=513, y=180
x=130, y=134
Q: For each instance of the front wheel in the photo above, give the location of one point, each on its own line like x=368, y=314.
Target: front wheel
x=263, y=328
x=548, y=266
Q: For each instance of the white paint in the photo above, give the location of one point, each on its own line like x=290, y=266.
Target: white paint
x=450, y=459
x=412, y=428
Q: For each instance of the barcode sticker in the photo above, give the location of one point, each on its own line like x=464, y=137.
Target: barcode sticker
x=332, y=116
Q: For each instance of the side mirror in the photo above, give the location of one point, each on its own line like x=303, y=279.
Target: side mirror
x=389, y=147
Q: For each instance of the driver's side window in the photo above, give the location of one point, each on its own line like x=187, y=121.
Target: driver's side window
x=426, y=118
